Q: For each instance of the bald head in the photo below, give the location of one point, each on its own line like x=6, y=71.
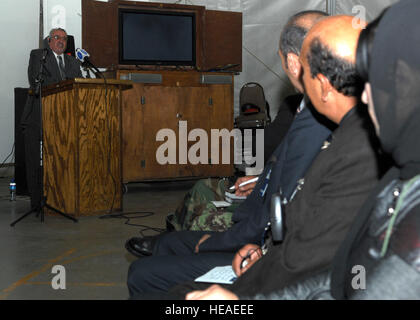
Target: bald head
x=328, y=58
x=338, y=34
x=330, y=49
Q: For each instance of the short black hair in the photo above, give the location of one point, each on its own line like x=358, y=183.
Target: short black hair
x=341, y=73
x=293, y=35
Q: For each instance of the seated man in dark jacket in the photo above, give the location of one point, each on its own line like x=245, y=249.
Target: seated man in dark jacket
x=182, y=256
x=339, y=180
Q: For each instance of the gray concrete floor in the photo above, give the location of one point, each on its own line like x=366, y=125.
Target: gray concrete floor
x=91, y=251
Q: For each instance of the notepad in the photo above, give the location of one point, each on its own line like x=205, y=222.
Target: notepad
x=233, y=198
x=221, y=204
x=222, y=275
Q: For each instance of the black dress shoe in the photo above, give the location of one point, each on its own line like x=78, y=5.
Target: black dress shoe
x=141, y=247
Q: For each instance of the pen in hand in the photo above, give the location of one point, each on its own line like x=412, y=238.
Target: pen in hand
x=232, y=188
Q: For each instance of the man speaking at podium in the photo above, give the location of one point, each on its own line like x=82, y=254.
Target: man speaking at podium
x=57, y=65
x=46, y=66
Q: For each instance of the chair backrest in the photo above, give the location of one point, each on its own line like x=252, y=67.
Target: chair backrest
x=254, y=110
x=252, y=93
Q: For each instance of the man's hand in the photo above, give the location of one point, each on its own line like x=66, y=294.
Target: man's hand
x=245, y=190
x=215, y=292
x=203, y=238
x=245, y=258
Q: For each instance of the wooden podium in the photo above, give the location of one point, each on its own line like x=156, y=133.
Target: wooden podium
x=82, y=146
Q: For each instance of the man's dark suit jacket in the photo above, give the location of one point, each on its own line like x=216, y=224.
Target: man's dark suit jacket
x=277, y=130
x=318, y=218
x=51, y=72
x=30, y=120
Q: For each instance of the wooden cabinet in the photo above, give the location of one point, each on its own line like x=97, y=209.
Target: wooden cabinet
x=218, y=34
x=176, y=99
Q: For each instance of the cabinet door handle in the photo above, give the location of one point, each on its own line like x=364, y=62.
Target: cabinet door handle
x=143, y=100
x=179, y=115
x=210, y=101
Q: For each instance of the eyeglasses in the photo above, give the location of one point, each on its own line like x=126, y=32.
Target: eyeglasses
x=58, y=37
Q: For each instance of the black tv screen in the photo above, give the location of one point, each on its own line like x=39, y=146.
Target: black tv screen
x=156, y=37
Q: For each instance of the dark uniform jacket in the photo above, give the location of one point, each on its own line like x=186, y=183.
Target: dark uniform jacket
x=275, y=132
x=317, y=219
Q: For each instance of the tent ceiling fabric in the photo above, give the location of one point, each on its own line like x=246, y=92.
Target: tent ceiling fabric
x=373, y=7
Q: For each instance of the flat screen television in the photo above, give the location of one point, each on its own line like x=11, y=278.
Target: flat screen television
x=150, y=37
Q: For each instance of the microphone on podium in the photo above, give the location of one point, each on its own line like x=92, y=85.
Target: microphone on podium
x=83, y=57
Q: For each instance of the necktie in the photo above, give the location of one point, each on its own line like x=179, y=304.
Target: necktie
x=61, y=67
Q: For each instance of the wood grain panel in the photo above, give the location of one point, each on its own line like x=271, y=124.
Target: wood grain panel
x=100, y=32
x=99, y=150
x=172, y=78
x=222, y=39
x=159, y=112
x=202, y=106
x=195, y=108
x=82, y=148
x=132, y=132
x=60, y=152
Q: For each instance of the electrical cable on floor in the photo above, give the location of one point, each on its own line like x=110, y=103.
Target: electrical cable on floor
x=140, y=214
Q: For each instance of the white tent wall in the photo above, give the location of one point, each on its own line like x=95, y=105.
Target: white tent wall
x=373, y=7
x=262, y=22
x=66, y=14
x=18, y=34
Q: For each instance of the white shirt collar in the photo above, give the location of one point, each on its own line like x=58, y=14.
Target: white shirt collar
x=56, y=57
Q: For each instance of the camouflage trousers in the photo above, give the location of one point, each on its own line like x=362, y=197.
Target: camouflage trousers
x=198, y=213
